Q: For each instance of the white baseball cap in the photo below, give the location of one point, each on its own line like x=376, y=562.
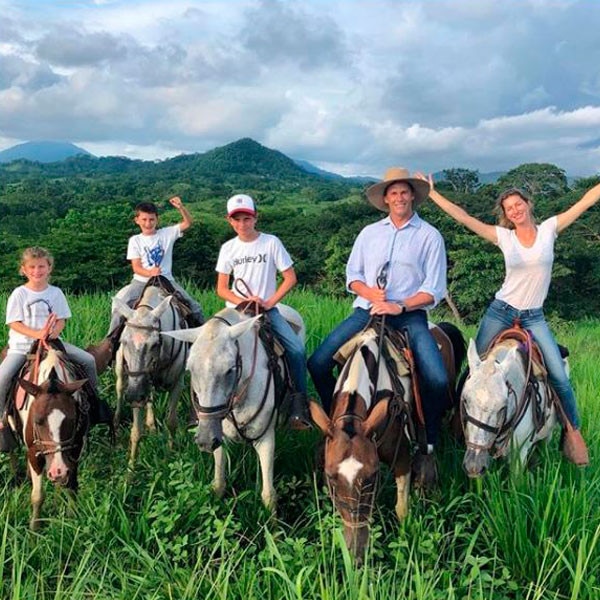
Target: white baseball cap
x=240, y=203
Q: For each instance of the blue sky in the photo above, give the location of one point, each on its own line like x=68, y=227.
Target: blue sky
x=352, y=86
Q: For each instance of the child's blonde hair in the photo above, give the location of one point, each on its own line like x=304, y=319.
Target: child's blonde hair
x=34, y=253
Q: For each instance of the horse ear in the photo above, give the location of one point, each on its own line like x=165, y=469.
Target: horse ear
x=320, y=418
x=473, y=355
x=185, y=335
x=376, y=416
x=235, y=331
x=29, y=387
x=122, y=307
x=160, y=309
x=512, y=356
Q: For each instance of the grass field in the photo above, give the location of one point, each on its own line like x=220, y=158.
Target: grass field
x=159, y=533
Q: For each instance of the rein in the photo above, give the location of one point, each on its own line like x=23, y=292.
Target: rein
x=238, y=394
x=504, y=430
x=181, y=347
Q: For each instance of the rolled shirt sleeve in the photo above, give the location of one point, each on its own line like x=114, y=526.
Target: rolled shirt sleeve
x=415, y=254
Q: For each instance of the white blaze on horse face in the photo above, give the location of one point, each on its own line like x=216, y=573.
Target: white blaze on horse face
x=349, y=469
x=55, y=420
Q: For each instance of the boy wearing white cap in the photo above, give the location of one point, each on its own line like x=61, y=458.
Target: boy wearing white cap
x=255, y=258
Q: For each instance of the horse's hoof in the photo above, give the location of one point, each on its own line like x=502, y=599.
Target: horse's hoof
x=425, y=475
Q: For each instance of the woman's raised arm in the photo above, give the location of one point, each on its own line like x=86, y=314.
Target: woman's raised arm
x=588, y=200
x=487, y=232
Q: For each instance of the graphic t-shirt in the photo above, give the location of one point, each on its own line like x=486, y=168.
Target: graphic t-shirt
x=256, y=263
x=154, y=250
x=32, y=309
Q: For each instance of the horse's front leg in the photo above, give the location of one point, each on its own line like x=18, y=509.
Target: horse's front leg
x=37, y=496
x=150, y=417
x=137, y=427
x=402, y=494
x=265, y=448
x=174, y=396
x=119, y=386
x=219, y=478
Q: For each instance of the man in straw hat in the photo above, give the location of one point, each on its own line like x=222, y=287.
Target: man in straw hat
x=397, y=268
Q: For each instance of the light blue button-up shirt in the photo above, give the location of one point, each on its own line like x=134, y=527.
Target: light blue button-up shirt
x=416, y=256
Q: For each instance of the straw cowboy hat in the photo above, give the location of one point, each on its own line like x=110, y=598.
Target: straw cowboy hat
x=397, y=175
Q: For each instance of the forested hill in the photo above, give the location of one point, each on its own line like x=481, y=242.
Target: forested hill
x=82, y=209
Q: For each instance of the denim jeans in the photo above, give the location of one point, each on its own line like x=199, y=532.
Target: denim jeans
x=294, y=349
x=432, y=376
x=501, y=315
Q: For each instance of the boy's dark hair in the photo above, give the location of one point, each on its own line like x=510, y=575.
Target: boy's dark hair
x=146, y=207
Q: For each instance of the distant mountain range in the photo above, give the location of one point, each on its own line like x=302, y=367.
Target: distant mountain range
x=41, y=151
x=52, y=152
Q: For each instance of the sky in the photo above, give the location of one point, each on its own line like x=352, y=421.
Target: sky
x=352, y=86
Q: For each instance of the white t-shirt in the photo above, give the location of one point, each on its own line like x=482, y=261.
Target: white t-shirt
x=32, y=309
x=528, y=270
x=154, y=250
x=255, y=262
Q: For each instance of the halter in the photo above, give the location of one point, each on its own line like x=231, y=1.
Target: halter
x=504, y=430
x=237, y=394
x=174, y=355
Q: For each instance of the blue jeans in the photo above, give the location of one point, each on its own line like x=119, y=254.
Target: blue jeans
x=501, y=315
x=294, y=349
x=431, y=373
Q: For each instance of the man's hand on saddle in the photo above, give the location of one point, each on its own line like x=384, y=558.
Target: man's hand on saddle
x=386, y=308
x=154, y=271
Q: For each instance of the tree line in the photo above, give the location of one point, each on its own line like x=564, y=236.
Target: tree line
x=82, y=210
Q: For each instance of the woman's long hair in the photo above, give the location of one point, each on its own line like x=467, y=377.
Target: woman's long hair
x=503, y=220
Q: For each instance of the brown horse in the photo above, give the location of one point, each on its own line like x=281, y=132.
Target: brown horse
x=52, y=420
x=373, y=420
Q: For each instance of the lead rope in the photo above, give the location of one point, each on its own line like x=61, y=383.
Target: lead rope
x=42, y=346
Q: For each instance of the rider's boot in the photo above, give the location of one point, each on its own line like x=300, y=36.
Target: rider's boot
x=299, y=418
x=574, y=447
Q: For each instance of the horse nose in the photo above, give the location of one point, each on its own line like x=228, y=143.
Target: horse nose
x=475, y=464
x=58, y=473
x=207, y=444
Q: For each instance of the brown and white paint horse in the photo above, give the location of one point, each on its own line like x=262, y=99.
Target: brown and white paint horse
x=371, y=422
x=146, y=360
x=53, y=412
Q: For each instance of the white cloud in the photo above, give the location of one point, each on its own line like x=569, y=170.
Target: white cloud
x=349, y=85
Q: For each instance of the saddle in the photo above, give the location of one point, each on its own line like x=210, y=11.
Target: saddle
x=180, y=303
x=535, y=369
x=275, y=352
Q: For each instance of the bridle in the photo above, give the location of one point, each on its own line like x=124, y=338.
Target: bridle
x=152, y=364
x=501, y=432
x=237, y=394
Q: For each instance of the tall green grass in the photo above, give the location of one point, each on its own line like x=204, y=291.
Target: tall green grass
x=159, y=533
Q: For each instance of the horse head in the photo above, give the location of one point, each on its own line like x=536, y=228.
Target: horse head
x=53, y=431
x=140, y=346
x=219, y=374
x=351, y=463
x=488, y=403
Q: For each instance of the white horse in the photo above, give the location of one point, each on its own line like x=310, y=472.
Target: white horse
x=235, y=390
x=504, y=411
x=147, y=360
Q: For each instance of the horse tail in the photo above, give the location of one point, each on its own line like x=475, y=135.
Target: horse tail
x=459, y=344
